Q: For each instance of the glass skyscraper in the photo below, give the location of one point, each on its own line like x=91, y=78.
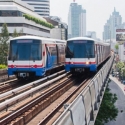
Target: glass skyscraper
x=76, y=21
x=114, y=21
x=41, y=7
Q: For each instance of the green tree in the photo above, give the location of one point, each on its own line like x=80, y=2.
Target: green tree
x=123, y=73
x=38, y=21
x=15, y=33
x=4, y=37
x=107, y=110
x=121, y=68
x=120, y=65
x=116, y=47
x=21, y=32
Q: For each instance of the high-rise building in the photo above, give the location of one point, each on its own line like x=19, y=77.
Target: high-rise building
x=41, y=7
x=110, y=27
x=91, y=34
x=16, y=14
x=107, y=31
x=76, y=21
x=60, y=28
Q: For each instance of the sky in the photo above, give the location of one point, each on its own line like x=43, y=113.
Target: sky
x=97, y=12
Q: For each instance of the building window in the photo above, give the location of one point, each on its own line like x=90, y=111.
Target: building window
x=10, y=13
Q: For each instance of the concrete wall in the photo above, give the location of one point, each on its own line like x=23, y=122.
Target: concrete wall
x=55, y=33
x=26, y=30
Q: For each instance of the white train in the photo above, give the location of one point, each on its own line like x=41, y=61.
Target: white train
x=32, y=56
x=85, y=54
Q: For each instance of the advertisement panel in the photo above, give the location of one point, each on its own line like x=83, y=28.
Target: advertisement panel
x=120, y=35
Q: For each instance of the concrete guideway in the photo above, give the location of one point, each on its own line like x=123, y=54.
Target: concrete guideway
x=83, y=110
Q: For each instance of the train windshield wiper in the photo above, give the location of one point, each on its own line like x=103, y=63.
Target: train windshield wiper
x=87, y=52
x=15, y=56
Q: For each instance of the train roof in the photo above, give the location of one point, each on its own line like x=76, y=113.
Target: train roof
x=40, y=38
x=86, y=38
x=80, y=38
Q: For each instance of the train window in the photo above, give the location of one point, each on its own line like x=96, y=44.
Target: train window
x=53, y=51
x=13, y=51
x=98, y=49
x=80, y=49
x=61, y=49
x=90, y=50
x=25, y=50
x=69, y=49
x=35, y=52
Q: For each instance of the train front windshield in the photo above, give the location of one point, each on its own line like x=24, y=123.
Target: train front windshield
x=25, y=50
x=80, y=49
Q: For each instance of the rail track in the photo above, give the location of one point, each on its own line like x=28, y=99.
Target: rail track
x=40, y=102
x=21, y=87
x=28, y=103
x=21, y=108
x=8, y=83
x=12, y=97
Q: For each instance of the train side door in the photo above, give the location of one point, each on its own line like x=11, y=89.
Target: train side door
x=97, y=52
x=48, y=62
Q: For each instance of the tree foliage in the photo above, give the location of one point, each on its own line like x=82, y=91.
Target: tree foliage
x=4, y=37
x=116, y=47
x=21, y=32
x=120, y=65
x=3, y=66
x=121, y=68
x=16, y=34
x=38, y=21
x=107, y=111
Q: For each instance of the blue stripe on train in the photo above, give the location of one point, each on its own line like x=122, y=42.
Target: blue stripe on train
x=38, y=71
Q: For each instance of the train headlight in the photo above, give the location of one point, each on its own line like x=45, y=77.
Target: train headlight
x=70, y=62
x=87, y=63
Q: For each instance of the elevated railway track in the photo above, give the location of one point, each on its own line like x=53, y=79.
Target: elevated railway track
x=39, y=100
x=47, y=100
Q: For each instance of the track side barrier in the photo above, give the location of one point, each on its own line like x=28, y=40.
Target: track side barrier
x=66, y=119
x=83, y=110
x=78, y=112
x=88, y=103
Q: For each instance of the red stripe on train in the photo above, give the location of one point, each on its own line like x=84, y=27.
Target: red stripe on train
x=25, y=66
x=79, y=62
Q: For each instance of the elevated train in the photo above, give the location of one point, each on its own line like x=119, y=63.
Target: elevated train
x=32, y=56
x=84, y=54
